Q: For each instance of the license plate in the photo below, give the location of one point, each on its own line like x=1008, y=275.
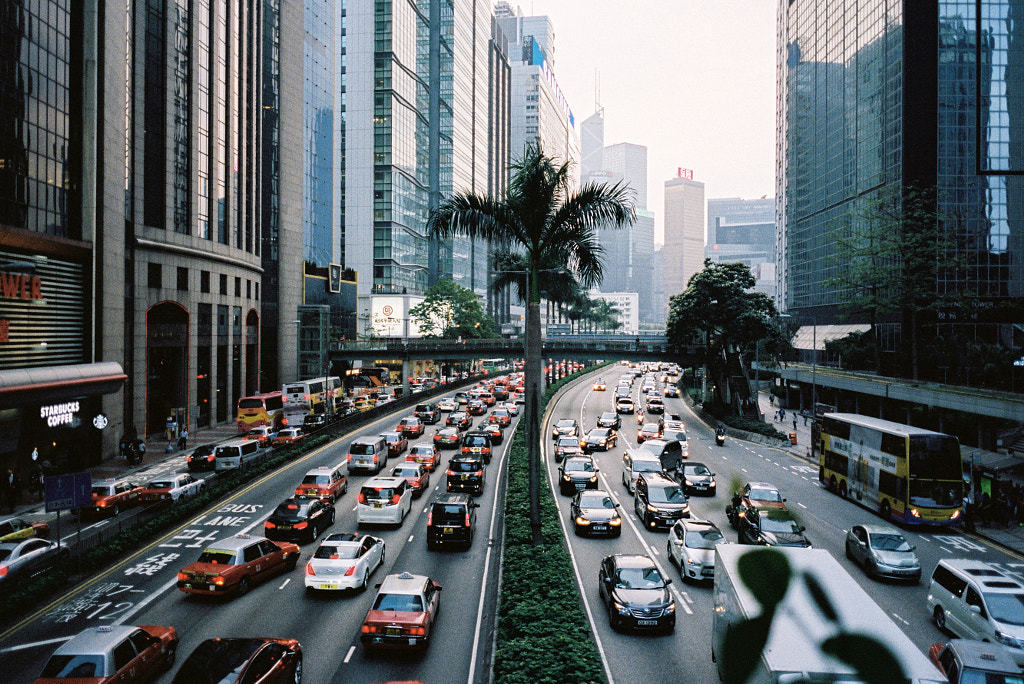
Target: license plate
x=465, y=477
x=581, y=486
x=647, y=623
x=476, y=450
x=377, y=504
x=284, y=527
x=393, y=631
x=600, y=528
x=448, y=530
x=328, y=586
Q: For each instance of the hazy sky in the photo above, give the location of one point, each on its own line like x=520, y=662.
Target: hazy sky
x=693, y=80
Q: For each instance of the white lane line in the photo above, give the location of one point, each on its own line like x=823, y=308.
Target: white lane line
x=36, y=644
x=411, y=537
x=800, y=505
x=348, y=656
x=285, y=583
x=743, y=469
x=945, y=549
x=901, y=619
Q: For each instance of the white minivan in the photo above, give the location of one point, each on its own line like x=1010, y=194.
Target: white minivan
x=238, y=453
x=367, y=452
x=384, y=500
x=976, y=600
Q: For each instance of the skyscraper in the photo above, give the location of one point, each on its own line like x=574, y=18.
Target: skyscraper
x=744, y=230
x=913, y=95
x=684, y=231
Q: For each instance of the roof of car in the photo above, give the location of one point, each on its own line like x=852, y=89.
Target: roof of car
x=403, y=583
x=982, y=655
x=383, y=481
x=632, y=560
x=452, y=498
x=238, y=541
x=95, y=640
x=344, y=537
x=880, y=529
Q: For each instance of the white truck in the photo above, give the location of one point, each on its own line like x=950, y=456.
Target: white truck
x=798, y=628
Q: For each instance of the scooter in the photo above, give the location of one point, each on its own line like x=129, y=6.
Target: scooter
x=720, y=437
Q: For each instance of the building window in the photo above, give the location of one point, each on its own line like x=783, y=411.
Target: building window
x=204, y=282
x=182, y=278
x=238, y=287
x=257, y=291
x=248, y=289
x=223, y=283
x=155, y=275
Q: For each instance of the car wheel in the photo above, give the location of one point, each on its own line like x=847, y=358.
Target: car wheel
x=871, y=569
x=940, y=617
x=297, y=673
x=849, y=554
x=243, y=586
x=333, y=517
x=364, y=581
x=169, y=655
x=314, y=532
x=668, y=554
x=842, y=489
x=117, y=509
x=832, y=485
x=885, y=511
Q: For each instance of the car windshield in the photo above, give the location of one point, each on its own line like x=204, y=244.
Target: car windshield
x=391, y=438
x=377, y=493
x=449, y=512
x=74, y=666
x=361, y=449
x=650, y=427
x=597, y=434
x=405, y=471
x=608, y=416
x=1006, y=608
x=641, y=466
x=337, y=551
x=475, y=441
x=568, y=442
x=639, y=578
x=667, y=494
x=675, y=434
x=888, y=541
x=695, y=470
x=217, y=557
x=464, y=466
x=317, y=480
x=596, y=500
x=703, y=538
x=765, y=495
x=422, y=451
x=160, y=484
x=579, y=466
x=779, y=525
x=405, y=603
x=565, y=423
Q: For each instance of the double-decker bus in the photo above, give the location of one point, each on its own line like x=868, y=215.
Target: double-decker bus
x=493, y=365
x=260, y=409
x=907, y=474
x=311, y=397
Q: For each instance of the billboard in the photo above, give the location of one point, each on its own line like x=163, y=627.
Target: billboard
x=389, y=316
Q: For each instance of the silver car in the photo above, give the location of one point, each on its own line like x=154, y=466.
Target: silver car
x=691, y=546
x=20, y=560
x=883, y=551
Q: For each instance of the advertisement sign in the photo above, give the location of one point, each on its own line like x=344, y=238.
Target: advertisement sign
x=389, y=316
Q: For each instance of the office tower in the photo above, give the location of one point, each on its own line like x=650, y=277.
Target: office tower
x=658, y=288
x=744, y=230
x=592, y=145
x=684, y=231
x=921, y=95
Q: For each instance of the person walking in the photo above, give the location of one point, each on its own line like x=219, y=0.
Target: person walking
x=8, y=492
x=183, y=439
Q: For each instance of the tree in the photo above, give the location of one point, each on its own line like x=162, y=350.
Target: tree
x=719, y=309
x=452, y=311
x=550, y=225
x=889, y=258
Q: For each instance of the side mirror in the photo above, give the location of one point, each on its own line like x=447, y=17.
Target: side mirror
x=474, y=505
x=618, y=505
x=975, y=609
x=783, y=501
x=668, y=581
x=803, y=529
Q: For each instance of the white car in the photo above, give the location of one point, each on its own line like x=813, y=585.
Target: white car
x=385, y=500
x=691, y=547
x=512, y=407
x=171, y=488
x=447, y=405
x=344, y=561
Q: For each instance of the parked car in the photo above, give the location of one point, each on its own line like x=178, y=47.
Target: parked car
x=691, y=547
x=883, y=551
x=635, y=594
x=232, y=565
x=21, y=559
x=243, y=659
x=344, y=561
x=202, y=458
x=403, y=613
x=593, y=511
x=113, y=653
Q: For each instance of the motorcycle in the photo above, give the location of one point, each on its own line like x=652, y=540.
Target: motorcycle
x=720, y=437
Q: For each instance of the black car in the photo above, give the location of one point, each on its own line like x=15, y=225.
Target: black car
x=314, y=422
x=495, y=431
x=593, y=512
x=298, y=519
x=671, y=391
x=450, y=520
x=242, y=660
x=599, y=439
x=465, y=474
x=428, y=413
x=576, y=473
x=659, y=500
x=609, y=420
x=459, y=419
x=771, y=527
x=567, y=427
x=202, y=458
x=696, y=478
x=477, y=443
x=635, y=593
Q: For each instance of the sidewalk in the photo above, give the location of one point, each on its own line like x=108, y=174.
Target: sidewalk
x=117, y=467
x=1010, y=537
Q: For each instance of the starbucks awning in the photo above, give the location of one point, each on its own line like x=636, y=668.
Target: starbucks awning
x=25, y=386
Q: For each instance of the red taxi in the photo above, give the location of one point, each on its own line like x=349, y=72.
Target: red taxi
x=110, y=496
x=411, y=426
x=415, y=475
x=397, y=443
x=403, y=613
x=234, y=564
x=426, y=455
x=448, y=438
x=326, y=483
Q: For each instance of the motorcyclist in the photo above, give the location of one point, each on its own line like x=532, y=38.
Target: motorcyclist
x=720, y=435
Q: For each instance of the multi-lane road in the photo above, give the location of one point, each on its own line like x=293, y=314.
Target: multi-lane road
x=141, y=589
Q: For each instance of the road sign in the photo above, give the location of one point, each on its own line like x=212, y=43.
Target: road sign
x=64, y=492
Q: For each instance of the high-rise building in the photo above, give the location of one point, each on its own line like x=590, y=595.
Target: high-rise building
x=684, y=231
x=914, y=94
x=592, y=145
x=744, y=230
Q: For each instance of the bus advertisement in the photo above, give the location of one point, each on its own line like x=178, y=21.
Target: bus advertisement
x=260, y=409
x=908, y=475
x=311, y=397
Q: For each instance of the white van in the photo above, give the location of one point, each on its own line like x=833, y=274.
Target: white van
x=238, y=453
x=383, y=500
x=367, y=452
x=976, y=600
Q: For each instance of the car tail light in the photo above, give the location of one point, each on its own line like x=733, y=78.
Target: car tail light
x=478, y=473
x=101, y=504
x=449, y=472
x=396, y=498
x=309, y=569
x=302, y=525
x=360, y=498
x=466, y=450
x=351, y=571
x=467, y=520
x=218, y=580
x=417, y=631
x=430, y=518
x=369, y=629
x=269, y=525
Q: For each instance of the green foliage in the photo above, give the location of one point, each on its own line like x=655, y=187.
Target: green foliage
x=452, y=311
x=857, y=350
x=768, y=575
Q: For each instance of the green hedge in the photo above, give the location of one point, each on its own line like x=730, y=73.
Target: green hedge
x=543, y=632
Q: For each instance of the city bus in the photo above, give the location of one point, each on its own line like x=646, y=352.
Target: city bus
x=493, y=365
x=906, y=474
x=259, y=410
x=311, y=397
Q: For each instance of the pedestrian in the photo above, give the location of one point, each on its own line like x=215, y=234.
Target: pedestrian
x=805, y=414
x=794, y=421
x=771, y=399
x=183, y=439
x=9, y=489
x=782, y=414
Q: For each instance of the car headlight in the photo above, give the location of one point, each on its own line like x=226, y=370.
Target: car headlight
x=580, y=520
x=687, y=483
x=622, y=610
x=593, y=478
x=615, y=522
x=691, y=561
x=671, y=608
x=652, y=508
x=566, y=478
x=914, y=512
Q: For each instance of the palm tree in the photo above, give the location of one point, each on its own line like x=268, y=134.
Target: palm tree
x=550, y=224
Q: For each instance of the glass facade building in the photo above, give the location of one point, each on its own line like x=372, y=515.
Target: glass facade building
x=877, y=97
